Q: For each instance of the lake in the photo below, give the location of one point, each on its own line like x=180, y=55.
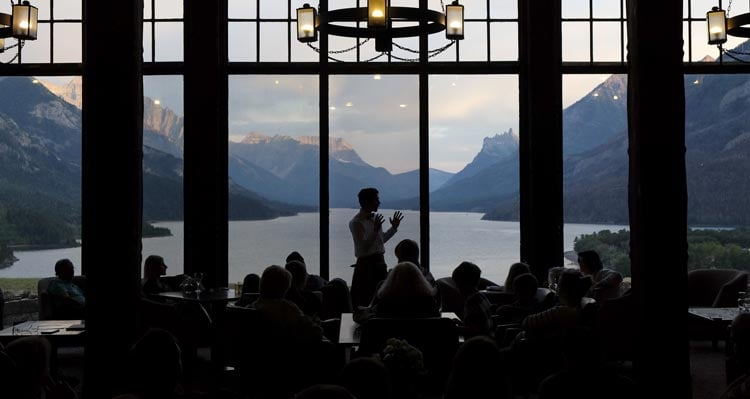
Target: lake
x=253, y=245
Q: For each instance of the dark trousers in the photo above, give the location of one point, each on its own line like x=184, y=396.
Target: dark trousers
x=368, y=272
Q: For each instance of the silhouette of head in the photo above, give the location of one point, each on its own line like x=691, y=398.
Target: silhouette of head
x=515, y=270
x=405, y=280
x=369, y=199
x=294, y=255
x=155, y=364
x=477, y=371
x=275, y=282
x=64, y=269
x=589, y=262
x=154, y=267
x=573, y=287
x=525, y=286
x=299, y=273
x=367, y=378
x=466, y=276
x=407, y=251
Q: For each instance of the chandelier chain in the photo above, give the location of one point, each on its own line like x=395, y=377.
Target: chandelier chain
x=432, y=53
x=18, y=44
x=729, y=7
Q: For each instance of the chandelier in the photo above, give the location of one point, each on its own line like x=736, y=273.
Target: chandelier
x=379, y=16
x=20, y=25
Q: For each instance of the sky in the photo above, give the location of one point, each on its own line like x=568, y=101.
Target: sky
x=378, y=116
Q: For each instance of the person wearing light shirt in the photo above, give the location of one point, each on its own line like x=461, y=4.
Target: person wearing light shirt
x=369, y=239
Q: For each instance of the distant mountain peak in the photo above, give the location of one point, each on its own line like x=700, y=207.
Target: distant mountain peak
x=71, y=92
x=336, y=144
x=500, y=143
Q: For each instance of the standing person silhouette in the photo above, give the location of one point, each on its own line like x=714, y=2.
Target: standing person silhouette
x=369, y=238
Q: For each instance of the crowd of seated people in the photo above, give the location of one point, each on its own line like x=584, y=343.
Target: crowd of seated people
x=292, y=302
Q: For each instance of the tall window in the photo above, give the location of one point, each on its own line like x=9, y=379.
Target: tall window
x=274, y=158
x=163, y=165
x=374, y=143
x=474, y=180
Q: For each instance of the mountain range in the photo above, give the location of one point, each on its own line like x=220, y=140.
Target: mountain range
x=270, y=176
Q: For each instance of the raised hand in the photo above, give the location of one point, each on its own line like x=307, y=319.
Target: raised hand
x=378, y=219
x=396, y=219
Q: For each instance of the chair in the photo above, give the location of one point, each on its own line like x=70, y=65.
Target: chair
x=46, y=308
x=715, y=287
x=615, y=326
x=189, y=322
x=436, y=338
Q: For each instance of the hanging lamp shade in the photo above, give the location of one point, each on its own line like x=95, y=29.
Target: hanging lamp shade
x=377, y=13
x=306, y=17
x=717, y=26
x=454, y=21
x=25, y=21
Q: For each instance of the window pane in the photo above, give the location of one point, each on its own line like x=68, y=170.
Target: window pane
x=575, y=41
x=716, y=160
x=168, y=8
x=607, y=41
x=273, y=9
x=274, y=172
x=147, y=4
x=242, y=9
x=163, y=155
x=41, y=206
x=504, y=39
x=474, y=46
x=474, y=9
x=374, y=126
x=437, y=41
x=169, y=41
x=503, y=9
x=147, y=48
x=701, y=7
x=273, y=41
x=41, y=5
x=67, y=9
x=36, y=51
x=242, y=43
x=575, y=9
x=608, y=8
x=474, y=173
x=595, y=165
x=68, y=42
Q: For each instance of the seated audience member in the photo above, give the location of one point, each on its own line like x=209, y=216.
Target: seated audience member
x=335, y=293
x=66, y=297
x=404, y=293
x=573, y=287
x=477, y=372
x=524, y=289
x=152, y=283
x=155, y=366
x=606, y=282
x=307, y=301
x=314, y=282
x=516, y=270
x=283, y=318
x=250, y=289
x=408, y=251
x=584, y=375
x=476, y=314
x=367, y=378
x=553, y=277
